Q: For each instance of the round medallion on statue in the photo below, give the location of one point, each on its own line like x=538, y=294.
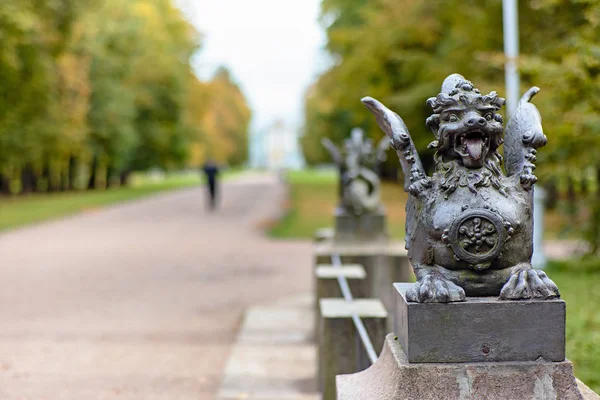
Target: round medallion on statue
x=477, y=236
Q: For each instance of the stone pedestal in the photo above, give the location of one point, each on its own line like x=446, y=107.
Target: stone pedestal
x=481, y=329
x=482, y=348
x=357, y=228
x=392, y=377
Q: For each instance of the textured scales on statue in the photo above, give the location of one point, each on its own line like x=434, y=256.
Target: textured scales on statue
x=359, y=163
x=469, y=227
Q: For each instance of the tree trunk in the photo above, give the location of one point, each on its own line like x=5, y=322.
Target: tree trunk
x=28, y=179
x=4, y=184
x=584, y=184
x=71, y=174
x=124, y=177
x=92, y=178
x=46, y=175
x=54, y=178
x=110, y=171
x=571, y=197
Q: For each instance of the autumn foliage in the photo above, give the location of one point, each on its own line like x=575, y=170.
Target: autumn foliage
x=401, y=51
x=92, y=90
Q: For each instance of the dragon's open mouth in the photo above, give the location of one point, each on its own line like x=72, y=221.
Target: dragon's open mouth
x=473, y=144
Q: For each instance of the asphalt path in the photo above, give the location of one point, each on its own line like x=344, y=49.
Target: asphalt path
x=142, y=300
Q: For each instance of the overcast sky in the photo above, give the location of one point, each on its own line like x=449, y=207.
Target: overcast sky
x=272, y=47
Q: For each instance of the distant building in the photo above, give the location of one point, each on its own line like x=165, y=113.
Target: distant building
x=276, y=147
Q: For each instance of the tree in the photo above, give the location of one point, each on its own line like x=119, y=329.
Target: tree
x=400, y=52
x=219, y=111
x=399, y=64
x=106, y=87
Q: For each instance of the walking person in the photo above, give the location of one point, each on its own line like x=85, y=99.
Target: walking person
x=211, y=170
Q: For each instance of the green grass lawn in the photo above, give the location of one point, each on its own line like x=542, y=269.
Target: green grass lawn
x=578, y=282
x=313, y=196
x=24, y=210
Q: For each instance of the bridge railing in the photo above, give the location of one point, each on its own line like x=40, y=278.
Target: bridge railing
x=350, y=330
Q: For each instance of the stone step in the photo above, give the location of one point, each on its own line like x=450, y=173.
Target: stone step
x=274, y=357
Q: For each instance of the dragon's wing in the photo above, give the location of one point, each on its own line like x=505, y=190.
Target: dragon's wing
x=333, y=150
x=524, y=135
x=391, y=123
x=411, y=220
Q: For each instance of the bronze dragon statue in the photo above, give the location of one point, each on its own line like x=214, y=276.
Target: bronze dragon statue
x=358, y=162
x=469, y=227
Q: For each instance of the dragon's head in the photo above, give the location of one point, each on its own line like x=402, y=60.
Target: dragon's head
x=465, y=123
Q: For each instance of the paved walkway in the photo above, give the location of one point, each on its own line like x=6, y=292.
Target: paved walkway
x=142, y=300
x=275, y=356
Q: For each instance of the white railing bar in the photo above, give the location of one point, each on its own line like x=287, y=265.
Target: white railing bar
x=336, y=261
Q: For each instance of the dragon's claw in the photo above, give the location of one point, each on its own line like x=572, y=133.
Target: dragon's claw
x=434, y=288
x=529, y=284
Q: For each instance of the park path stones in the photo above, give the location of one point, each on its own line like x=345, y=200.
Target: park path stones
x=274, y=357
x=142, y=300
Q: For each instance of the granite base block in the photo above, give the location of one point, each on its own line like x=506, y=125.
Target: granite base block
x=481, y=329
x=392, y=377
x=368, y=226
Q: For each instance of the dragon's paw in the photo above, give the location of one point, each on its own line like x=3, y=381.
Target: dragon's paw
x=434, y=288
x=529, y=284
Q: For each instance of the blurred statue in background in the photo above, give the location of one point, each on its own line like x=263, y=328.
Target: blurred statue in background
x=469, y=227
x=359, y=163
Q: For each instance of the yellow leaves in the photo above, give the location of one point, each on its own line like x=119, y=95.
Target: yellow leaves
x=152, y=22
x=400, y=51
x=110, y=79
x=146, y=10
x=593, y=15
x=219, y=116
x=74, y=89
x=197, y=154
